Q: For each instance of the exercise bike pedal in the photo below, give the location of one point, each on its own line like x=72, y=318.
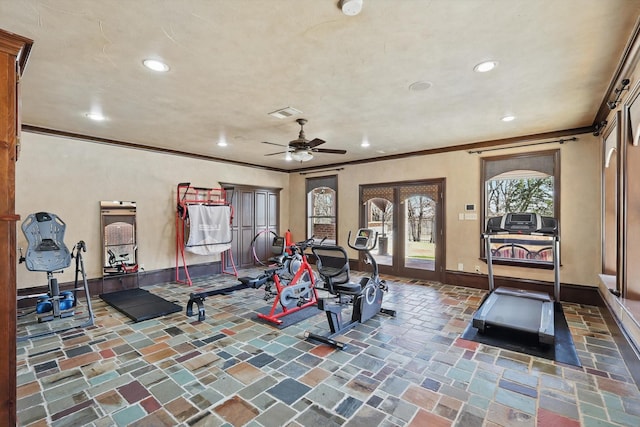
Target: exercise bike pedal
x=388, y=312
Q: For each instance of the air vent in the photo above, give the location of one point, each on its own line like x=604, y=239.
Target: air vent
x=283, y=113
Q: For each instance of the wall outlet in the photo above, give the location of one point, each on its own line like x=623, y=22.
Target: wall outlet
x=460, y=267
x=477, y=269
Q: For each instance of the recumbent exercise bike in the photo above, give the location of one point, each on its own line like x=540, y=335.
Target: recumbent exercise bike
x=332, y=263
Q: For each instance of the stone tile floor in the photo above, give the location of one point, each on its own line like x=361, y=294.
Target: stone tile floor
x=231, y=370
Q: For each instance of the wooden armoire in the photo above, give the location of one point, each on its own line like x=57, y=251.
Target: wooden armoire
x=14, y=51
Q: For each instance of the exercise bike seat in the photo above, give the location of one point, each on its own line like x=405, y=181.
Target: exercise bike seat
x=277, y=259
x=353, y=289
x=332, y=263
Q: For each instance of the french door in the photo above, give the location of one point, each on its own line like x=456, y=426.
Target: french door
x=409, y=220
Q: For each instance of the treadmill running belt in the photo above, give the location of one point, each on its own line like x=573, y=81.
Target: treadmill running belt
x=517, y=313
x=139, y=305
x=563, y=350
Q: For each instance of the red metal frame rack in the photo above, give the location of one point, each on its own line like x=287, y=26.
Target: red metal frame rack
x=189, y=195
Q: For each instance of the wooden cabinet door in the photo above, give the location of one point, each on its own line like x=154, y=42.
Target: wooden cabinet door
x=255, y=217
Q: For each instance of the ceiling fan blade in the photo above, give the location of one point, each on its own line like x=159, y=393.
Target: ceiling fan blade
x=299, y=144
x=273, y=143
x=315, y=142
x=275, y=154
x=329, y=150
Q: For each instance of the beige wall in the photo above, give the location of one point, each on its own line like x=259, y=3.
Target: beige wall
x=70, y=178
x=580, y=205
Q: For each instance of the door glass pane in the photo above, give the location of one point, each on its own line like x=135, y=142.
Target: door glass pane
x=420, y=226
x=380, y=219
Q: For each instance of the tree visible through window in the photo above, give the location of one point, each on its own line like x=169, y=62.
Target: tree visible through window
x=381, y=211
x=520, y=192
x=421, y=211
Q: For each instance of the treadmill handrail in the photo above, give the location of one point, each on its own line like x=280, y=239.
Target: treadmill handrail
x=556, y=260
x=531, y=242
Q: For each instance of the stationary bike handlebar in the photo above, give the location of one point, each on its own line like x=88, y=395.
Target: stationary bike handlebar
x=303, y=245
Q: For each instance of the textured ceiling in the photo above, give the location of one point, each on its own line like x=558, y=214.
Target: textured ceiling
x=234, y=61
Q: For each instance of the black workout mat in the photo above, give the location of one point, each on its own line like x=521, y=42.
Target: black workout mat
x=139, y=305
x=289, y=319
x=563, y=350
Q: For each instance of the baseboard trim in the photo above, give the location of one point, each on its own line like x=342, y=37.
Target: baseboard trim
x=119, y=282
x=571, y=293
x=578, y=294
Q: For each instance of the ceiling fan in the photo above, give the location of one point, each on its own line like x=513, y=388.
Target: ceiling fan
x=302, y=149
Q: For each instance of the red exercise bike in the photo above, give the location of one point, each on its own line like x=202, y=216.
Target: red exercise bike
x=291, y=284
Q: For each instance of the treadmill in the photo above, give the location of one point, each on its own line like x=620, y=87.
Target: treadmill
x=518, y=309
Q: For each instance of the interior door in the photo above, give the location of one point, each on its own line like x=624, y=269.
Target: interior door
x=408, y=217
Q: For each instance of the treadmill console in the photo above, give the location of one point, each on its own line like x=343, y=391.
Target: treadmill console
x=365, y=238
x=523, y=223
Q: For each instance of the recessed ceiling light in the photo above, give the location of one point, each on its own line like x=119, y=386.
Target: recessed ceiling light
x=508, y=118
x=365, y=143
x=420, y=85
x=222, y=143
x=485, y=66
x=95, y=116
x=155, y=65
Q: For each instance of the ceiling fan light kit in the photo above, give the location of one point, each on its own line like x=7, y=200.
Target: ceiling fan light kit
x=351, y=7
x=301, y=156
x=301, y=149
